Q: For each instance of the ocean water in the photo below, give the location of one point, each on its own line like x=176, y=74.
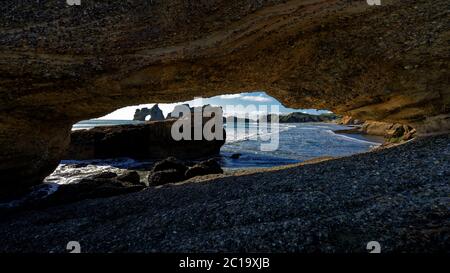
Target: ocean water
x=297, y=143
x=88, y=124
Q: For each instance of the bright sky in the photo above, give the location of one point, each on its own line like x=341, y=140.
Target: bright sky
x=258, y=99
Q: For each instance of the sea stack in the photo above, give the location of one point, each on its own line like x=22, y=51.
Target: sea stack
x=155, y=114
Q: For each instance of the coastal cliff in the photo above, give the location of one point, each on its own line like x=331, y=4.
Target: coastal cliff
x=62, y=64
x=295, y=117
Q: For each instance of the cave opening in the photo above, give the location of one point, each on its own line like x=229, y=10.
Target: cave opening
x=63, y=64
x=292, y=136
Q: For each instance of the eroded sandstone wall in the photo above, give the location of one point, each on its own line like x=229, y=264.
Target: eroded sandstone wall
x=61, y=64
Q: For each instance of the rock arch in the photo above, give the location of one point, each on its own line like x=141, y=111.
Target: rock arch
x=63, y=64
x=155, y=114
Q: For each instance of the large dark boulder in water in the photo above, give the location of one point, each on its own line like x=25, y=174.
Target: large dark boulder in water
x=152, y=140
x=172, y=170
x=104, y=175
x=170, y=163
x=169, y=170
x=210, y=166
x=131, y=177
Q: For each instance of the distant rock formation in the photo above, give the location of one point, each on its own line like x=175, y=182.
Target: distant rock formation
x=98, y=186
x=296, y=117
x=299, y=117
x=152, y=140
x=155, y=114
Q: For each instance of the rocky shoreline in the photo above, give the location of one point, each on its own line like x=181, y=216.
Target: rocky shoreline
x=391, y=132
x=397, y=196
x=110, y=183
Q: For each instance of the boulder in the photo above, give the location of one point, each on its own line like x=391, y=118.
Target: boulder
x=392, y=132
x=170, y=163
x=152, y=140
x=210, y=166
x=92, y=187
x=169, y=170
x=131, y=177
x=172, y=170
x=104, y=175
x=399, y=133
x=376, y=128
x=165, y=177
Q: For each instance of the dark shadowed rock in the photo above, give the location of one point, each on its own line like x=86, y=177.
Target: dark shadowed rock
x=90, y=188
x=170, y=163
x=131, y=177
x=169, y=170
x=152, y=140
x=210, y=166
x=165, y=177
x=399, y=133
x=104, y=175
x=102, y=185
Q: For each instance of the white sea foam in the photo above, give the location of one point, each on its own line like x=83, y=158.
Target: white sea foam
x=251, y=132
